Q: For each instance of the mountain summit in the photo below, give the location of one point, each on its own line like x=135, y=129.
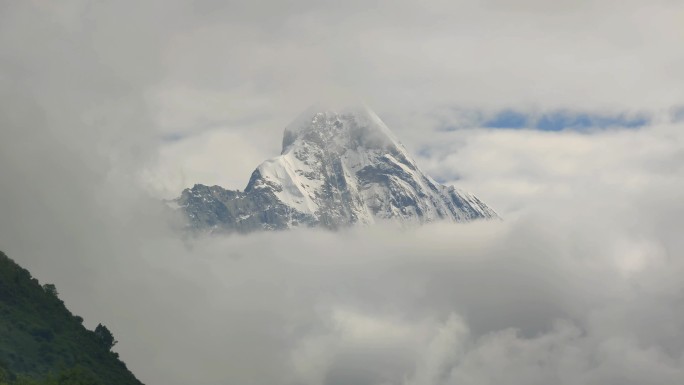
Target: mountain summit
x=337, y=168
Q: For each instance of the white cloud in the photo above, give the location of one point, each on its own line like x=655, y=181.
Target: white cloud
x=580, y=285
x=583, y=267
x=406, y=57
x=216, y=157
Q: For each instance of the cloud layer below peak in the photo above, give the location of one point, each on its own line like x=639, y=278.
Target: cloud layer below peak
x=581, y=284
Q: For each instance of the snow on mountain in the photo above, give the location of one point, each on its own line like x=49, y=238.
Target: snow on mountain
x=337, y=168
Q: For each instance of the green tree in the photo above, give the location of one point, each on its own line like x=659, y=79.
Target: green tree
x=75, y=376
x=105, y=336
x=51, y=289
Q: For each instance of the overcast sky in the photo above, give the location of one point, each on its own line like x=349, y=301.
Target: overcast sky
x=567, y=117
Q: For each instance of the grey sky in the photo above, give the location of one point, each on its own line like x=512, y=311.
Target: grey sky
x=587, y=266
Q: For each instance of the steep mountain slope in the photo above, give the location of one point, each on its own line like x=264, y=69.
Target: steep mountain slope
x=39, y=337
x=337, y=168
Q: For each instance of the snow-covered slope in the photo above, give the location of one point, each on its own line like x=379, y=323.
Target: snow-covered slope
x=337, y=168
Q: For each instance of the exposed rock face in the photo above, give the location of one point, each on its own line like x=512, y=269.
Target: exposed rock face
x=336, y=169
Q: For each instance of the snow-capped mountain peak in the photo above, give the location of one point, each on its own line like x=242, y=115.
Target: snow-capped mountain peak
x=340, y=128
x=337, y=168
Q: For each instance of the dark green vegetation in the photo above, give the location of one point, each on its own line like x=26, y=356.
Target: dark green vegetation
x=42, y=343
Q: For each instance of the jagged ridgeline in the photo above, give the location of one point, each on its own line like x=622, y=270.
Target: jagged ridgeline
x=42, y=343
x=338, y=167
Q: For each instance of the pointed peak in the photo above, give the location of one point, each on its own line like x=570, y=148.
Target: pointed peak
x=355, y=121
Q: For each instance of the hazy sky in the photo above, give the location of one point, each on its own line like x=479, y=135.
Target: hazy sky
x=567, y=117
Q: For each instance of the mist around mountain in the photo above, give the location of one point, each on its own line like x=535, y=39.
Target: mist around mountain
x=43, y=343
x=338, y=167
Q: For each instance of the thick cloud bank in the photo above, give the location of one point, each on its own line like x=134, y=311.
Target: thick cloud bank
x=536, y=301
x=580, y=284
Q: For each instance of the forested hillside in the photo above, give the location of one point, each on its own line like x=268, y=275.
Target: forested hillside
x=41, y=342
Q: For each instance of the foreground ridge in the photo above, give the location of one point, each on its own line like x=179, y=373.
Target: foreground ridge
x=43, y=343
x=337, y=168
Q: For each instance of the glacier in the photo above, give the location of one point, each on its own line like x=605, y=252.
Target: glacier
x=338, y=168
